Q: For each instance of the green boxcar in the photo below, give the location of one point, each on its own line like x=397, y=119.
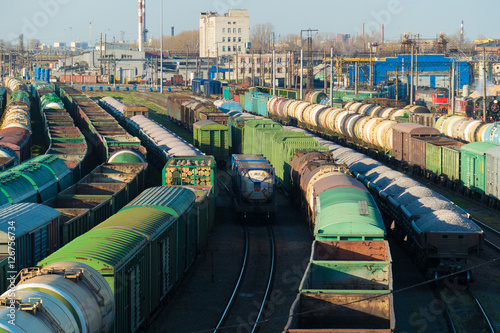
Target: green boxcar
x=235, y=126
x=443, y=158
x=195, y=170
x=348, y=267
x=348, y=214
x=212, y=138
x=251, y=140
x=473, y=165
x=451, y=162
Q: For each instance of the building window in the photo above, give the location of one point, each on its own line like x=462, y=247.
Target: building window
x=234, y=39
x=239, y=39
x=242, y=71
x=258, y=60
x=234, y=30
x=279, y=60
x=234, y=22
x=228, y=22
x=223, y=49
x=279, y=70
x=249, y=71
x=239, y=30
x=234, y=48
x=258, y=70
x=239, y=48
x=242, y=60
x=223, y=39
x=223, y=30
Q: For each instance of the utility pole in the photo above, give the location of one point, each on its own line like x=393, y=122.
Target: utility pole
x=114, y=74
x=100, y=57
x=261, y=70
x=452, y=89
x=253, y=69
x=310, y=74
x=397, y=83
x=324, y=71
x=161, y=48
x=411, y=75
x=187, y=62
x=217, y=60
x=356, y=78
x=301, y=74
x=274, y=69
x=371, y=67
x=331, y=76
x=236, y=67
x=484, y=84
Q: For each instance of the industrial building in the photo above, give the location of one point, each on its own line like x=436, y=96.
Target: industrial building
x=430, y=70
x=224, y=34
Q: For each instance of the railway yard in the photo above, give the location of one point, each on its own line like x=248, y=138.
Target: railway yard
x=148, y=198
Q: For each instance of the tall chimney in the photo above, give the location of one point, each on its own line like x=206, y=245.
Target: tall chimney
x=382, y=33
x=462, y=32
x=173, y=32
x=140, y=42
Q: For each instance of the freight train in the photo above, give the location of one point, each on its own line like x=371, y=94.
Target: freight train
x=15, y=130
x=342, y=216
x=441, y=246
x=371, y=128
x=111, y=141
x=114, y=277
x=350, y=263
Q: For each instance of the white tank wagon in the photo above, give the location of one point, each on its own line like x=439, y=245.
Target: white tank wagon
x=65, y=297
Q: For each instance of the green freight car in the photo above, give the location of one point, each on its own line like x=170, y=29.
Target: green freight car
x=443, y=159
x=212, y=138
x=142, y=251
x=473, y=165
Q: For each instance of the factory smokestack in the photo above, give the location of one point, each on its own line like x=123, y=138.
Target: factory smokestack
x=462, y=32
x=173, y=32
x=142, y=23
x=381, y=33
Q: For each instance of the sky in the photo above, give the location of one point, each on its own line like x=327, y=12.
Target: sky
x=68, y=20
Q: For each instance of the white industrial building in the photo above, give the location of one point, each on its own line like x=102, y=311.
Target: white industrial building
x=224, y=34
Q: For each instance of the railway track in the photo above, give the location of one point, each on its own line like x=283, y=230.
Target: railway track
x=464, y=312
x=492, y=234
x=247, y=302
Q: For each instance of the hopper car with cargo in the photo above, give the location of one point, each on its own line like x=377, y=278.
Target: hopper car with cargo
x=161, y=143
x=443, y=245
x=112, y=143
x=200, y=116
x=114, y=277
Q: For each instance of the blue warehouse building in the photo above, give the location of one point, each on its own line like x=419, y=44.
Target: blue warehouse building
x=433, y=70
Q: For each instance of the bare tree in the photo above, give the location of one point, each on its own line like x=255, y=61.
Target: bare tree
x=180, y=42
x=34, y=44
x=261, y=36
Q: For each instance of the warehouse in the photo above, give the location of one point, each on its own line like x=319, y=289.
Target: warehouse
x=432, y=70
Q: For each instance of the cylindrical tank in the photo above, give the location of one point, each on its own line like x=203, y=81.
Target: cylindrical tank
x=470, y=130
x=299, y=111
x=338, y=122
x=126, y=156
x=74, y=294
x=316, y=113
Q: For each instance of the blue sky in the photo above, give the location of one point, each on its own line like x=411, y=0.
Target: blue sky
x=68, y=20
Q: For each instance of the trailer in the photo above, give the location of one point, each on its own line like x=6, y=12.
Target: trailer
x=253, y=185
